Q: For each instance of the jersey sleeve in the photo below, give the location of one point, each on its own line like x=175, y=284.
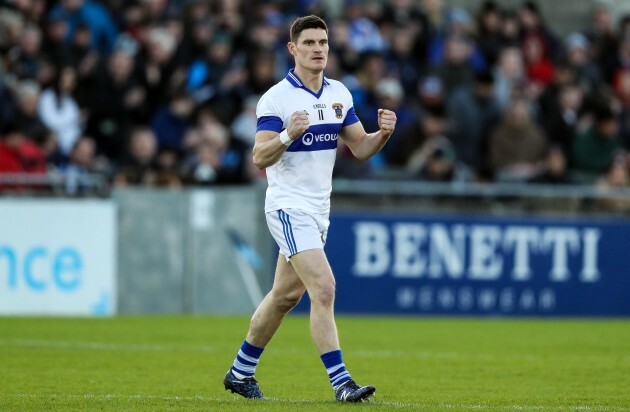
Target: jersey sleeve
x=351, y=115
x=268, y=115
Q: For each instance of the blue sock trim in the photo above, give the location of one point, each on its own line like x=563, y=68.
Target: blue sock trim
x=235, y=369
x=245, y=361
x=247, y=367
x=337, y=372
x=331, y=359
x=251, y=350
x=334, y=361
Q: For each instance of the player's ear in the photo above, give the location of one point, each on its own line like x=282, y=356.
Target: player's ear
x=291, y=47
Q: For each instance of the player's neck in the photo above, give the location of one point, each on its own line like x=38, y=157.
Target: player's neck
x=311, y=79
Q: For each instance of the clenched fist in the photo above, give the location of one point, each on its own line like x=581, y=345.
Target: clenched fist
x=386, y=121
x=298, y=124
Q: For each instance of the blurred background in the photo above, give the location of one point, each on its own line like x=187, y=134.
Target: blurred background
x=127, y=185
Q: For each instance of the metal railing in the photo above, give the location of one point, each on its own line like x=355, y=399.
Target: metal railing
x=54, y=183
x=468, y=189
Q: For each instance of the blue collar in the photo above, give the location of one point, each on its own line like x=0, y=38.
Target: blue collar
x=296, y=82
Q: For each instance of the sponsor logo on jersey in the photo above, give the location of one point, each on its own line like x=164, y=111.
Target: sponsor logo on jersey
x=317, y=137
x=309, y=138
x=338, y=110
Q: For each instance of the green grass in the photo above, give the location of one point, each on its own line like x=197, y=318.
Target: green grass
x=177, y=363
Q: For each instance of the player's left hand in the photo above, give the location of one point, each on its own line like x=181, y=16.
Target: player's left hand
x=386, y=121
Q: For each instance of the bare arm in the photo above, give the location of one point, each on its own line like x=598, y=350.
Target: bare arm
x=365, y=145
x=268, y=147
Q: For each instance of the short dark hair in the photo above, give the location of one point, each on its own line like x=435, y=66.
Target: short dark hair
x=306, y=22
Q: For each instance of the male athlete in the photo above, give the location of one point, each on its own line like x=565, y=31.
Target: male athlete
x=299, y=121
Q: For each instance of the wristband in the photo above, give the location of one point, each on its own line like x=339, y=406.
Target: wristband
x=285, y=139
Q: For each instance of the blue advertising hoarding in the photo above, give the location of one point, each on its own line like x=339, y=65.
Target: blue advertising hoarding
x=420, y=264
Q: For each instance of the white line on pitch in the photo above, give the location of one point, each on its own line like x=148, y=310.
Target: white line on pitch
x=313, y=401
x=132, y=347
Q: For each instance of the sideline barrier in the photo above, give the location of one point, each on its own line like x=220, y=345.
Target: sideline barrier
x=393, y=251
x=57, y=257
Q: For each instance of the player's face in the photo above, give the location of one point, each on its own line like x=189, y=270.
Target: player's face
x=311, y=49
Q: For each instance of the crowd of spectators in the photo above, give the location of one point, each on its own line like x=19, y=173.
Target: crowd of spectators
x=164, y=92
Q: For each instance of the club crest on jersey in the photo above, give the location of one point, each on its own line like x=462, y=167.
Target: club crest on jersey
x=338, y=110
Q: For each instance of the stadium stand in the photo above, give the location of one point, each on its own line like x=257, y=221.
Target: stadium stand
x=97, y=95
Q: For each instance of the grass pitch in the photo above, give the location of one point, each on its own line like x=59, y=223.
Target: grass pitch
x=177, y=363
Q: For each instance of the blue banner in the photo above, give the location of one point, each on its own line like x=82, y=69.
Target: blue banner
x=417, y=264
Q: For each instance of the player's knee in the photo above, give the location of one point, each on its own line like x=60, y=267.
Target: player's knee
x=286, y=301
x=325, y=296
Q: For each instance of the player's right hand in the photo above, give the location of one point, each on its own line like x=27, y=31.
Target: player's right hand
x=298, y=124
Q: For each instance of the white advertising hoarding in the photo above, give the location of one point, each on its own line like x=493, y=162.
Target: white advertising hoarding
x=57, y=257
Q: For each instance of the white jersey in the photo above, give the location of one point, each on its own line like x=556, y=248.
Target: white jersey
x=302, y=177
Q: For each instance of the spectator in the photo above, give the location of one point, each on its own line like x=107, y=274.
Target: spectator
x=554, y=170
x=167, y=173
x=11, y=24
x=364, y=35
x=407, y=16
x=138, y=166
x=160, y=73
x=76, y=12
x=55, y=48
x=117, y=101
x=617, y=176
x=155, y=11
x=472, y=112
x=517, y=145
x=623, y=58
x=85, y=60
x=402, y=62
x=431, y=95
x=339, y=39
x=593, y=148
x=244, y=125
x=489, y=32
x=23, y=60
x=458, y=26
x=363, y=81
x=509, y=74
x=587, y=73
x=456, y=69
x=436, y=16
x=562, y=117
x=510, y=29
x=19, y=155
x=622, y=88
x=27, y=95
x=603, y=41
x=538, y=64
x=171, y=122
x=534, y=29
x=434, y=161
x=204, y=167
x=59, y=110
x=79, y=167
x=390, y=95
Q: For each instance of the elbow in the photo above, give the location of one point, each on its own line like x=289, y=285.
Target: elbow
x=260, y=165
x=257, y=159
x=362, y=156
